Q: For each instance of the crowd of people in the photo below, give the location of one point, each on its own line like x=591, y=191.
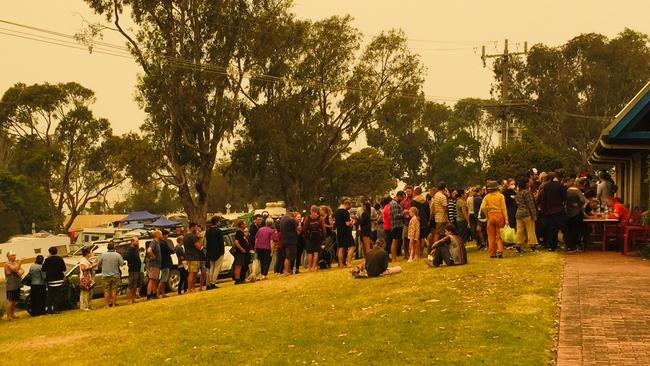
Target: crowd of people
x=411, y=224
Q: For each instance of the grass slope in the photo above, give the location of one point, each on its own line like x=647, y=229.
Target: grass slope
x=487, y=312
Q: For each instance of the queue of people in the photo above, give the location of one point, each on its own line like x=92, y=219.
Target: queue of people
x=411, y=225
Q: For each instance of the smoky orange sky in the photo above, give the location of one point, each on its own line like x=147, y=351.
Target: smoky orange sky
x=447, y=34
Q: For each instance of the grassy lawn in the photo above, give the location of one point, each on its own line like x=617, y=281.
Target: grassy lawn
x=488, y=312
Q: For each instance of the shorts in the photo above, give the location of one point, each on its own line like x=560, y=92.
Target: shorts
x=440, y=228
x=111, y=283
x=290, y=252
x=164, y=274
x=396, y=233
x=388, y=236
x=424, y=232
x=192, y=266
x=134, y=280
x=313, y=246
x=239, y=259
x=345, y=241
x=153, y=273
x=13, y=295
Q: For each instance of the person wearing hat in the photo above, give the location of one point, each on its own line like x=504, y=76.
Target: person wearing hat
x=494, y=206
x=13, y=278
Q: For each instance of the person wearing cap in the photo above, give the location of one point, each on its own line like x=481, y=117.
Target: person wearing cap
x=494, y=206
x=13, y=278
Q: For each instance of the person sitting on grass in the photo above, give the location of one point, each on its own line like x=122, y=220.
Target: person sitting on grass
x=376, y=263
x=449, y=249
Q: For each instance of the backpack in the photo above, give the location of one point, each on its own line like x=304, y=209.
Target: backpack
x=315, y=230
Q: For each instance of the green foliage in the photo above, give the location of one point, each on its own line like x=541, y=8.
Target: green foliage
x=516, y=158
x=590, y=76
x=21, y=204
x=61, y=146
x=456, y=161
x=292, y=139
x=363, y=173
x=155, y=199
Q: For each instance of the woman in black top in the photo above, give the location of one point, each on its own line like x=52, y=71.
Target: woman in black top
x=365, y=225
x=241, y=252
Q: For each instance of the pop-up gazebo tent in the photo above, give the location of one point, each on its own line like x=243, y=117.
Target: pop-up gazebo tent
x=164, y=222
x=139, y=216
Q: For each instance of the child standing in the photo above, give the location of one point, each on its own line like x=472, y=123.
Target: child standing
x=414, y=235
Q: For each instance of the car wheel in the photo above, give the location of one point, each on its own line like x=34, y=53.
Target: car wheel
x=174, y=279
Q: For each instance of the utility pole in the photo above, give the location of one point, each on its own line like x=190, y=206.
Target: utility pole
x=505, y=102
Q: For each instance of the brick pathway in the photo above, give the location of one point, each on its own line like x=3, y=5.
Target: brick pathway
x=605, y=315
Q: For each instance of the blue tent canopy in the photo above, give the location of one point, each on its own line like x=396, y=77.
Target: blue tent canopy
x=133, y=225
x=139, y=216
x=164, y=222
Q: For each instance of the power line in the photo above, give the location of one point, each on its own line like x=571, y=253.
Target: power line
x=123, y=52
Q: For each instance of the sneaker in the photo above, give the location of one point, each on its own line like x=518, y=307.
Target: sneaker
x=571, y=251
x=550, y=249
x=499, y=255
x=518, y=249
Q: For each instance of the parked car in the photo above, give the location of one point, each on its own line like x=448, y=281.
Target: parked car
x=71, y=290
x=174, y=273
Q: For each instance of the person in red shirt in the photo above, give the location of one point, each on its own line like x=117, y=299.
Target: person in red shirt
x=617, y=210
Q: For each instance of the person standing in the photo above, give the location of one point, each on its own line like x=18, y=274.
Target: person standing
x=166, y=251
x=135, y=264
x=314, y=233
x=365, y=226
x=37, y=290
x=289, y=233
x=526, y=216
x=153, y=262
x=345, y=242
x=54, y=269
x=452, y=214
x=463, y=224
x=439, y=208
x=396, y=213
x=575, y=204
x=13, y=283
x=180, y=255
x=413, y=235
x=552, y=199
x=242, y=248
x=86, y=268
x=193, y=245
x=215, y=250
x=406, y=203
x=604, y=189
x=509, y=194
x=420, y=202
x=494, y=206
x=265, y=240
x=110, y=263
x=385, y=219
